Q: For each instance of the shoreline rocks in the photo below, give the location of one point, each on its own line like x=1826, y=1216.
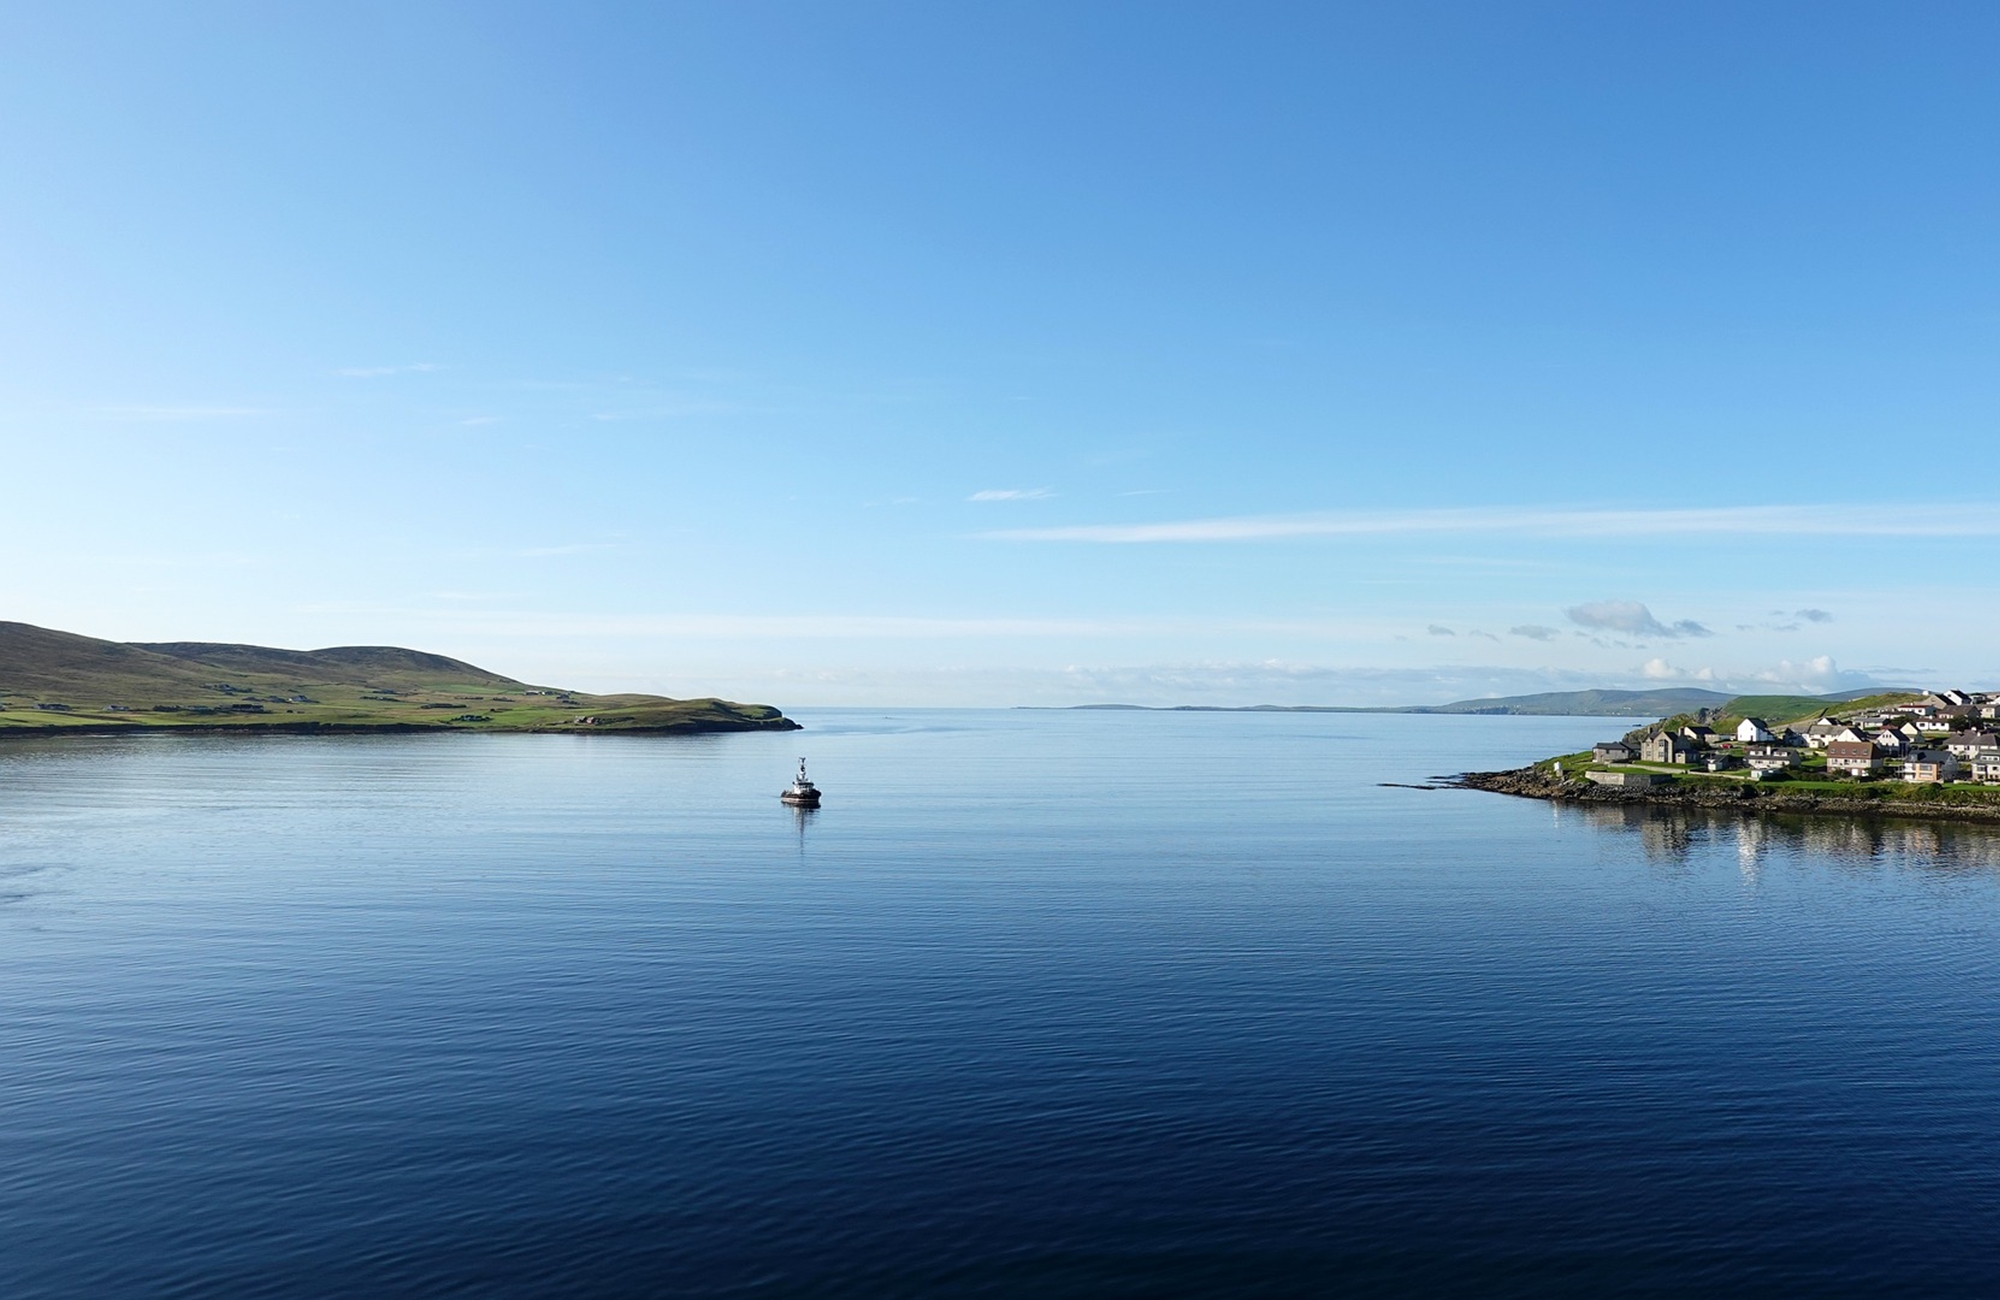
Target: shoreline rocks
x=1531, y=783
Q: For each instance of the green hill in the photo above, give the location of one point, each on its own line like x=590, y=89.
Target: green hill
x=58, y=681
x=1779, y=709
x=1598, y=704
x=1590, y=704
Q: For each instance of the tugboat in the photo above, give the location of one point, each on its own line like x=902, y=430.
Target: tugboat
x=803, y=793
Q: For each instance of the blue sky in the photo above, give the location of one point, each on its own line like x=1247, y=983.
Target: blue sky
x=927, y=354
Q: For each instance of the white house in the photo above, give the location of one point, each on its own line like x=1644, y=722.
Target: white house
x=1891, y=741
x=1964, y=744
x=1770, y=758
x=1752, y=731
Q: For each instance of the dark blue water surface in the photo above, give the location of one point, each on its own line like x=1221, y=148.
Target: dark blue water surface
x=1038, y=1004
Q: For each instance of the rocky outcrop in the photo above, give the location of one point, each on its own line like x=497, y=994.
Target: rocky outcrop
x=1867, y=801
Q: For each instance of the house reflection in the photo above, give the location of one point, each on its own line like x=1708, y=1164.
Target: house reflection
x=1676, y=834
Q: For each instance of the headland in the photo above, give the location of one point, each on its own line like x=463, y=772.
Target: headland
x=59, y=683
x=1929, y=755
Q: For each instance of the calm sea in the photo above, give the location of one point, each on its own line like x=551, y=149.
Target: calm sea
x=1039, y=1004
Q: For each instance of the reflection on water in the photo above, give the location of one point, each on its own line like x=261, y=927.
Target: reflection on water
x=801, y=818
x=1679, y=834
x=1042, y=1003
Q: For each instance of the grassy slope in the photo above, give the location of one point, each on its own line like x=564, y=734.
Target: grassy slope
x=1625, y=704
x=1779, y=709
x=197, y=684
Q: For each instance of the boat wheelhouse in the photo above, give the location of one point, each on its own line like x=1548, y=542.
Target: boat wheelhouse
x=803, y=793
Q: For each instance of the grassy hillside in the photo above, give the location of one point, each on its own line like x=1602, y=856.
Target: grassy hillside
x=1602, y=704
x=57, y=681
x=1580, y=704
x=1803, y=708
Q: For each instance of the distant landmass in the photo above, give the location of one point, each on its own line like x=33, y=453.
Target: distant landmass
x=1575, y=704
x=55, y=682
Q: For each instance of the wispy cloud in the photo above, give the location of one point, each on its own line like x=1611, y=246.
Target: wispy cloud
x=567, y=548
x=1438, y=629
x=1535, y=632
x=178, y=412
x=666, y=406
x=376, y=372
x=1012, y=494
x=1721, y=521
x=1631, y=618
x=887, y=627
x=1814, y=616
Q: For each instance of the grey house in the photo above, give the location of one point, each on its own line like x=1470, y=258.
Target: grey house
x=1666, y=748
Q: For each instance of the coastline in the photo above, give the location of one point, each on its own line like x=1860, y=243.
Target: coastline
x=1532, y=783
x=690, y=727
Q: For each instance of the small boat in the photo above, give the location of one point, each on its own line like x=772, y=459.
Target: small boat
x=803, y=793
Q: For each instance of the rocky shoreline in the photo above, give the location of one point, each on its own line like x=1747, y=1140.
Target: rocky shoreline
x=1534, y=783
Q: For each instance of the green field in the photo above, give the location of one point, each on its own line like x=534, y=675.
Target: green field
x=55, y=682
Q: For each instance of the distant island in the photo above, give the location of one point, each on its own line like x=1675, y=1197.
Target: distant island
x=59, y=683
x=1573, y=704
x=1931, y=754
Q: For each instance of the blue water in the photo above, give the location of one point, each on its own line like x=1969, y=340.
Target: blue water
x=1039, y=1004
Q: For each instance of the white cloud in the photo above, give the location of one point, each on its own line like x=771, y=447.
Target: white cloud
x=1556, y=522
x=1012, y=494
x=1819, y=675
x=1659, y=670
x=1631, y=618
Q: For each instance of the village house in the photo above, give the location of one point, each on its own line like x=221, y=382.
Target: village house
x=1716, y=760
x=1699, y=734
x=1966, y=744
x=1770, y=757
x=1666, y=748
x=1852, y=758
x=1891, y=741
x=1614, y=751
x=1930, y=767
x=1823, y=731
x=1754, y=731
x=1986, y=769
